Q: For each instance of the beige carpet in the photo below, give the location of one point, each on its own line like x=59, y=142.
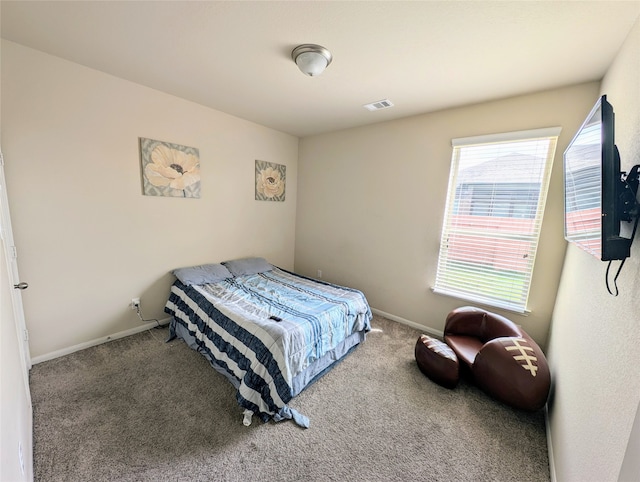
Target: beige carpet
x=140, y=409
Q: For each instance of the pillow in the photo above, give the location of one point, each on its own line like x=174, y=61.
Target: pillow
x=201, y=275
x=239, y=267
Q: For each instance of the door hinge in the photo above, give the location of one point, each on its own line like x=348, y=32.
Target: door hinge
x=26, y=335
x=14, y=252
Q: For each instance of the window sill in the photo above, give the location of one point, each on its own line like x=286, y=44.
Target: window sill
x=482, y=301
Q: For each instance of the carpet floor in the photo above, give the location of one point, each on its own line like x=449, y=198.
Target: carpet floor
x=140, y=409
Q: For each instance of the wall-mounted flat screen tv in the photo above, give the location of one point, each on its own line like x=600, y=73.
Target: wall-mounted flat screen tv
x=594, y=189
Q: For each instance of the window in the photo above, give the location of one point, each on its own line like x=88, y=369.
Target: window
x=495, y=202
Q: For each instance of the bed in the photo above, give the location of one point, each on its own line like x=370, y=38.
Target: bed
x=271, y=332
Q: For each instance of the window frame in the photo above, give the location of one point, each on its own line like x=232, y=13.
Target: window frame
x=450, y=265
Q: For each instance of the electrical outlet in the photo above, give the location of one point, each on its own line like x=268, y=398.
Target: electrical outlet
x=135, y=303
x=320, y=273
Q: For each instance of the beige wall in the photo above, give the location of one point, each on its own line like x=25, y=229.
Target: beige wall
x=371, y=203
x=595, y=337
x=88, y=240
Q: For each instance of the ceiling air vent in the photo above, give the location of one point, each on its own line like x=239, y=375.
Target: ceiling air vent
x=378, y=105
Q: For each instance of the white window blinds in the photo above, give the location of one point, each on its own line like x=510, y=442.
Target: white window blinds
x=497, y=190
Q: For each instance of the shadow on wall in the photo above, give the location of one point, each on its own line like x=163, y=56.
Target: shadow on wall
x=155, y=296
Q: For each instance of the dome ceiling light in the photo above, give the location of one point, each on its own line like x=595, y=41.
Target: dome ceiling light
x=311, y=59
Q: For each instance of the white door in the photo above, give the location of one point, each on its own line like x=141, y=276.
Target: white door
x=11, y=254
x=16, y=417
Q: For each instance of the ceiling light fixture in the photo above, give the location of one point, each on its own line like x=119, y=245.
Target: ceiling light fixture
x=311, y=59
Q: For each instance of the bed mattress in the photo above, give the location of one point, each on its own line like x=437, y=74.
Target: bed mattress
x=271, y=334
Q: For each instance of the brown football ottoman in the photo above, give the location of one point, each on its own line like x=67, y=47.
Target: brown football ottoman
x=437, y=361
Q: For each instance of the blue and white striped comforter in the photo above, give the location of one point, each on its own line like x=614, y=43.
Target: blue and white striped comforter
x=271, y=361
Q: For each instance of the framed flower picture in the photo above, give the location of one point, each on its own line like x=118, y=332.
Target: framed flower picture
x=270, y=181
x=169, y=169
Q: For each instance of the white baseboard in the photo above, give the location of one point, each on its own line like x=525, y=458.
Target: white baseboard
x=552, y=465
x=138, y=329
x=412, y=324
x=97, y=341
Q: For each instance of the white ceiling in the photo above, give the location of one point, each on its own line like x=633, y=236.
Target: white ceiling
x=234, y=56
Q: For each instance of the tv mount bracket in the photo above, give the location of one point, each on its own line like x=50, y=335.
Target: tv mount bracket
x=629, y=211
x=629, y=207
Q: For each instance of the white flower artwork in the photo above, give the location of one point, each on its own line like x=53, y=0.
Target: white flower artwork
x=270, y=181
x=169, y=169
